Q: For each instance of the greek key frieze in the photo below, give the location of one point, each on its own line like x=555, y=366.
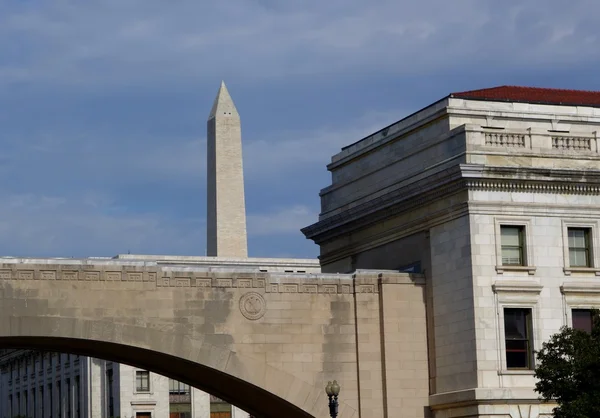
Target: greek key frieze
x=113, y=276
x=45, y=275
x=244, y=283
x=25, y=275
x=329, y=288
x=183, y=282
x=267, y=283
x=224, y=283
x=309, y=288
x=68, y=275
x=134, y=277
x=203, y=282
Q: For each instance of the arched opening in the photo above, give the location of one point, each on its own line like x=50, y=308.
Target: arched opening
x=256, y=401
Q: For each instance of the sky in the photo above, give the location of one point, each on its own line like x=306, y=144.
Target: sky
x=103, y=104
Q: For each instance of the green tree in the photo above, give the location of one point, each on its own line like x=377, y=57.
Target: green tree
x=568, y=371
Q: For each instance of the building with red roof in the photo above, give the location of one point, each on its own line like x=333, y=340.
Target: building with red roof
x=493, y=195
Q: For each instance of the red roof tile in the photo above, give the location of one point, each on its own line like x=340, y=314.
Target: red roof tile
x=533, y=95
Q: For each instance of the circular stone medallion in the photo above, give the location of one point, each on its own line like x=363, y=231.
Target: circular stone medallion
x=253, y=305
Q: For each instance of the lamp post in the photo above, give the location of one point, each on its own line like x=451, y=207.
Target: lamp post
x=333, y=390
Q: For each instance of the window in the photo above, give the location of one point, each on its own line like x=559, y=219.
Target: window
x=50, y=400
x=178, y=388
x=77, y=397
x=142, y=381
x=70, y=398
x=579, y=247
x=512, y=243
x=518, y=338
x=109, y=384
x=42, y=402
x=59, y=399
x=582, y=319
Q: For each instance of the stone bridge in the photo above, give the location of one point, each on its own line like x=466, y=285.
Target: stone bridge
x=266, y=342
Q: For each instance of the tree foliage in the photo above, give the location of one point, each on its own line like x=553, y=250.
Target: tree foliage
x=568, y=371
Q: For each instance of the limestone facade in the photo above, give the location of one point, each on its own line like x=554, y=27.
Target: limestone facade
x=438, y=193
x=267, y=342
x=38, y=384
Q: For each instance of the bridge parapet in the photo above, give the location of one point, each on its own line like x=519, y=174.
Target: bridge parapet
x=266, y=341
x=149, y=272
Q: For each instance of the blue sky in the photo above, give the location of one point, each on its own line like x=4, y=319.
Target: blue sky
x=103, y=104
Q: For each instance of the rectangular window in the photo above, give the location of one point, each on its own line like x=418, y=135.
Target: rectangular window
x=178, y=388
x=42, y=402
x=579, y=247
x=518, y=338
x=142, y=381
x=582, y=319
x=59, y=398
x=50, y=400
x=77, y=397
x=512, y=239
x=109, y=383
x=70, y=398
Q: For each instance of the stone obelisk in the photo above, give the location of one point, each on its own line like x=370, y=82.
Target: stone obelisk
x=226, y=212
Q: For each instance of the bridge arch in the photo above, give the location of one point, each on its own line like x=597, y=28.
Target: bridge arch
x=255, y=400
x=271, y=356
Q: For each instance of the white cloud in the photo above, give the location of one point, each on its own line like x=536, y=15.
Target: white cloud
x=133, y=40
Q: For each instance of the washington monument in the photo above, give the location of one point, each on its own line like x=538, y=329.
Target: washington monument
x=226, y=211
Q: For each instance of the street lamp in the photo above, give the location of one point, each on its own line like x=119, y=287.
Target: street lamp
x=333, y=390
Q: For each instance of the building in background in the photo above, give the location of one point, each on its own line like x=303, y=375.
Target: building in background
x=37, y=384
x=494, y=195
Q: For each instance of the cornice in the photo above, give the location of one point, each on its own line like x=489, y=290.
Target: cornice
x=409, y=228
x=525, y=186
x=400, y=200
x=451, y=181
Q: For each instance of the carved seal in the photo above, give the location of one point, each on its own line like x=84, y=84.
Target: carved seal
x=253, y=305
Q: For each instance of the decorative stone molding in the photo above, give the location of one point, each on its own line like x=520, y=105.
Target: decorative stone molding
x=583, y=288
x=541, y=187
x=521, y=291
x=324, y=284
x=580, y=295
x=253, y=305
x=406, y=197
x=503, y=139
x=571, y=143
x=569, y=270
x=529, y=269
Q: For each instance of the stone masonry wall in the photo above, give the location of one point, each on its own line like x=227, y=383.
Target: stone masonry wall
x=285, y=333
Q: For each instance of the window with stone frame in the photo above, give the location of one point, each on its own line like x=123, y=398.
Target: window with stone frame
x=582, y=319
x=512, y=241
x=142, y=381
x=579, y=247
x=518, y=338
